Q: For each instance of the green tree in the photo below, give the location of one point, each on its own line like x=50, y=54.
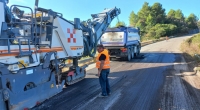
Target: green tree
x=142, y=16
x=158, y=12
x=120, y=23
x=198, y=24
x=160, y=30
x=169, y=28
x=179, y=15
x=191, y=21
x=160, y=33
x=177, y=18
x=180, y=21
x=133, y=19
x=150, y=21
x=153, y=21
x=172, y=29
x=145, y=11
x=171, y=14
x=151, y=33
x=171, y=17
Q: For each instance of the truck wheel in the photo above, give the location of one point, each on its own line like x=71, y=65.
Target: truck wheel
x=129, y=55
x=111, y=59
x=137, y=53
x=132, y=53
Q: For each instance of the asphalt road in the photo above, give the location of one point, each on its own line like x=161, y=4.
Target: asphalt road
x=153, y=81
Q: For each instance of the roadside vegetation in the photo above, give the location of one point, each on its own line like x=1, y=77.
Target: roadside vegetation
x=191, y=49
x=154, y=22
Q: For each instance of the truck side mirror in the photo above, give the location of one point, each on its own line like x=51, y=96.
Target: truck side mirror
x=77, y=23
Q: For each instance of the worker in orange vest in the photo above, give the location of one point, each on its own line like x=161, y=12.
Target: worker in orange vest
x=103, y=65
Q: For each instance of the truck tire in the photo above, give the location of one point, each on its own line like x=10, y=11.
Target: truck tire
x=128, y=58
x=137, y=53
x=132, y=53
x=111, y=59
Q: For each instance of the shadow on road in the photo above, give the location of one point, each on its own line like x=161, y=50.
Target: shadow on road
x=152, y=57
x=132, y=87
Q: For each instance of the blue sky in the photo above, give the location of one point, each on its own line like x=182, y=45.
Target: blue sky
x=84, y=8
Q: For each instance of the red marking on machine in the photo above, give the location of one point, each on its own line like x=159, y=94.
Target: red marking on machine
x=71, y=35
x=71, y=73
x=37, y=103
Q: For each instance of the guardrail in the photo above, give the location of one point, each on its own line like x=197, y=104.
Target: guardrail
x=154, y=41
x=80, y=63
x=92, y=60
x=69, y=62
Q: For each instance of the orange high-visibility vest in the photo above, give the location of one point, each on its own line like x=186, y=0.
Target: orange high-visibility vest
x=106, y=62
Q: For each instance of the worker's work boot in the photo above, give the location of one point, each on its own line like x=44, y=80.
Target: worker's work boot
x=102, y=95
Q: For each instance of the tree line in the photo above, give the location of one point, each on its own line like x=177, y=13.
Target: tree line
x=155, y=23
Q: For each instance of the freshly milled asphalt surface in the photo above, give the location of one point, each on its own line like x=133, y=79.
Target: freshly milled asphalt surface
x=150, y=82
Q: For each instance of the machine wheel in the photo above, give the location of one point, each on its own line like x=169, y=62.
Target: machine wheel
x=68, y=80
x=84, y=73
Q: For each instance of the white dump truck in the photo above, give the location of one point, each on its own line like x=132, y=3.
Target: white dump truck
x=122, y=42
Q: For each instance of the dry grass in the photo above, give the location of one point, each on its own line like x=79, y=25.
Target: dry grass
x=190, y=47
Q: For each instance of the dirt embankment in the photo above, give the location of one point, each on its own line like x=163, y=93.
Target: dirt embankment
x=191, y=51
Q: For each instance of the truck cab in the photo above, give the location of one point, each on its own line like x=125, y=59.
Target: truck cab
x=122, y=42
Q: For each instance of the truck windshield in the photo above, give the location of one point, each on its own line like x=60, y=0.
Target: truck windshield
x=112, y=37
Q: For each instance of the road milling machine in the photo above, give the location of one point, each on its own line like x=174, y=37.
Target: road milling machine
x=34, y=47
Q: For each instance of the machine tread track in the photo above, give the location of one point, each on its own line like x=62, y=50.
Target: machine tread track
x=74, y=81
x=68, y=83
